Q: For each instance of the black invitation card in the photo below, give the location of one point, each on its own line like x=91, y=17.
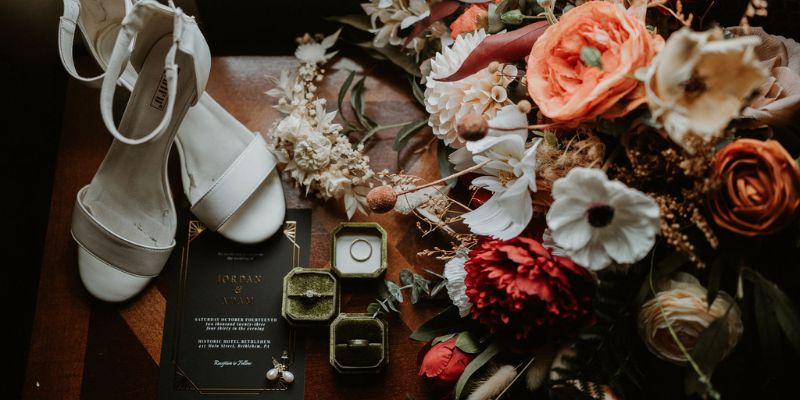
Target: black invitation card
x=223, y=324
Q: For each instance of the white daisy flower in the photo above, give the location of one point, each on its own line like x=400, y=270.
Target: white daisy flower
x=596, y=220
x=482, y=93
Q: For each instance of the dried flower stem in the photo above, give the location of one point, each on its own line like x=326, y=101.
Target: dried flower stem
x=445, y=179
x=536, y=126
x=548, y=13
x=686, y=21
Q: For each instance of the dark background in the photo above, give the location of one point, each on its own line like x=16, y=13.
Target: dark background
x=32, y=86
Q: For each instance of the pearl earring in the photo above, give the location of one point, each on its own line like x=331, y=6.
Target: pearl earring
x=280, y=371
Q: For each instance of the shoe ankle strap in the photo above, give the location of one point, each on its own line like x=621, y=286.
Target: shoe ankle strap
x=67, y=26
x=120, y=56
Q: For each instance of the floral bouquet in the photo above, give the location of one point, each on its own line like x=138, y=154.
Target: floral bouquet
x=629, y=228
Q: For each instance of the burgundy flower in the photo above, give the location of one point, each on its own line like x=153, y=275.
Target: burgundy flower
x=444, y=363
x=520, y=290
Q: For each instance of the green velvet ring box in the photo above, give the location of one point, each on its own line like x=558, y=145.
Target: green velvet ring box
x=359, y=344
x=358, y=250
x=310, y=297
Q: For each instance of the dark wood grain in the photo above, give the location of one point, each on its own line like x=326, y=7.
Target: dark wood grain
x=83, y=348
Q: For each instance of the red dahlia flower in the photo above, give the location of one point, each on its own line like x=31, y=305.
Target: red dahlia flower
x=520, y=290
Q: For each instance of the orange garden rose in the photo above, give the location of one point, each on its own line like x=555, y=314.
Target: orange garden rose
x=568, y=90
x=760, y=191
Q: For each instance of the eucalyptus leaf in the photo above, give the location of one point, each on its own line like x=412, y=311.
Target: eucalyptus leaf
x=447, y=321
x=371, y=131
x=422, y=284
x=715, y=279
x=373, y=308
x=484, y=357
x=358, y=21
x=414, y=294
x=407, y=132
x=406, y=277
x=358, y=105
x=343, y=90
x=436, y=274
x=395, y=291
x=468, y=343
x=383, y=305
x=392, y=306
x=438, y=288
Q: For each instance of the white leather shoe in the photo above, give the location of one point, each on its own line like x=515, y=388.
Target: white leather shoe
x=124, y=221
x=229, y=175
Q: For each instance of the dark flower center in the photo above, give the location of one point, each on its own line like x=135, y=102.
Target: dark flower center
x=694, y=87
x=600, y=215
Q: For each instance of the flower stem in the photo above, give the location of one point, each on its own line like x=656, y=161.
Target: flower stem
x=614, y=154
x=445, y=179
x=548, y=13
x=379, y=128
x=702, y=376
x=535, y=127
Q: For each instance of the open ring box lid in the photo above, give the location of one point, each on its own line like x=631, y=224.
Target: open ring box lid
x=358, y=250
x=371, y=358
x=299, y=310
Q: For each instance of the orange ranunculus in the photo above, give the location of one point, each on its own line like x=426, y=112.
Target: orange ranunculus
x=473, y=18
x=760, y=192
x=568, y=90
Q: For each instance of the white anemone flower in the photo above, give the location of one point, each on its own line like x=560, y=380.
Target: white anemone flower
x=510, y=173
x=455, y=273
x=596, y=220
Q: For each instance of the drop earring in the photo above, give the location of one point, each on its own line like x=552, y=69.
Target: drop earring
x=279, y=370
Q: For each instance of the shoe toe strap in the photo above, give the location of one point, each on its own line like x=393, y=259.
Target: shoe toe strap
x=116, y=251
x=236, y=185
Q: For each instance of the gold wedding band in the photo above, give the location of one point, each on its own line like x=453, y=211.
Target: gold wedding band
x=358, y=343
x=361, y=259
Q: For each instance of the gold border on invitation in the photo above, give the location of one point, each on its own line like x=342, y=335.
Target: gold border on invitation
x=195, y=229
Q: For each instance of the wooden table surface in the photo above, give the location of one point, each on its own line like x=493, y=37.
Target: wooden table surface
x=83, y=348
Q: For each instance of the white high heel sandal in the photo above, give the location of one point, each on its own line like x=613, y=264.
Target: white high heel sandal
x=124, y=221
x=229, y=175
